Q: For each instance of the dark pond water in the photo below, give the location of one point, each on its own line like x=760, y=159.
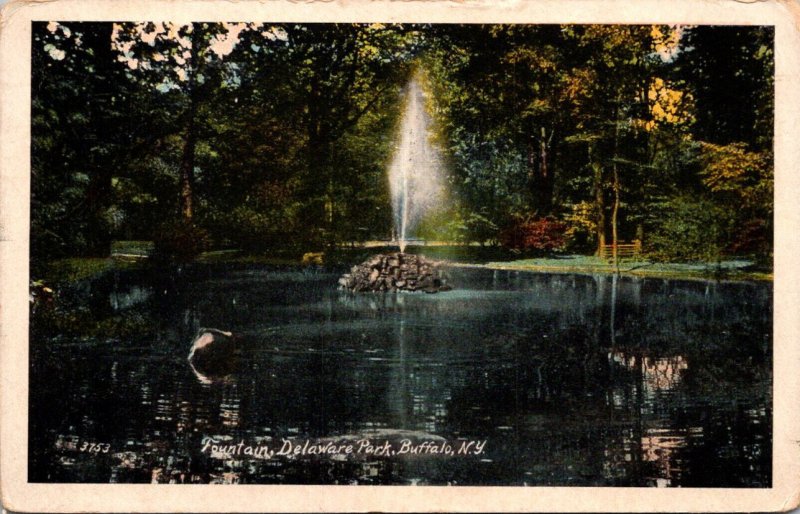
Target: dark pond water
x=542, y=379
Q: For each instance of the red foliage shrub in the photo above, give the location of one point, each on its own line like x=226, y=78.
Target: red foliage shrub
x=544, y=234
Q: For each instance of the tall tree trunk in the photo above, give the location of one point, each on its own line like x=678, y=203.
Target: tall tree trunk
x=545, y=172
x=187, y=164
x=540, y=171
x=330, y=203
x=98, y=199
x=599, y=199
x=615, y=211
x=187, y=159
x=533, y=174
x=321, y=180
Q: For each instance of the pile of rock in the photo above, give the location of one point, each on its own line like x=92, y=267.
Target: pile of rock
x=396, y=272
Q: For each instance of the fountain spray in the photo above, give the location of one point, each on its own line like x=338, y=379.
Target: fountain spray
x=415, y=173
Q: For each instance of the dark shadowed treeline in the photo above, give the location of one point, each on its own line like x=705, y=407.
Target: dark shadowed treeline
x=277, y=137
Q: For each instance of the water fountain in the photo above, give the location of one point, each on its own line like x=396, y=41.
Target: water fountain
x=415, y=180
x=415, y=175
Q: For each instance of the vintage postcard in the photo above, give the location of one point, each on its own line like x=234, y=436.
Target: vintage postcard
x=399, y=256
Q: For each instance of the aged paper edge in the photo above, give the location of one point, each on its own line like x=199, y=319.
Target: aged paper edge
x=20, y=496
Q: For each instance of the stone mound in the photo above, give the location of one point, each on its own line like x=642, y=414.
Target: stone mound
x=396, y=272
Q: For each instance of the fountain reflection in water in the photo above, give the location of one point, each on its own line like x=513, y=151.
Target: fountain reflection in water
x=415, y=173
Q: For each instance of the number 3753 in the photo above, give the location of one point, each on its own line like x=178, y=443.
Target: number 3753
x=95, y=447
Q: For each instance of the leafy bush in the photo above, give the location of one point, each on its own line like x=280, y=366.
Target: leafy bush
x=458, y=226
x=754, y=237
x=545, y=235
x=689, y=229
x=480, y=228
x=581, y=232
x=179, y=241
x=256, y=230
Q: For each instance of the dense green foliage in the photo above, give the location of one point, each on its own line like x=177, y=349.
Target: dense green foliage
x=277, y=137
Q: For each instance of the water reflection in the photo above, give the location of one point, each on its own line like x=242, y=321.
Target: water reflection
x=570, y=380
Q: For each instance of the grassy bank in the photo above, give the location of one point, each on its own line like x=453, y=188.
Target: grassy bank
x=75, y=269
x=727, y=270
x=133, y=254
x=500, y=258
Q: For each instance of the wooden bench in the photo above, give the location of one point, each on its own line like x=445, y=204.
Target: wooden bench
x=624, y=250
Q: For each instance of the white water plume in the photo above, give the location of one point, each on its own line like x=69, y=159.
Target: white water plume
x=415, y=174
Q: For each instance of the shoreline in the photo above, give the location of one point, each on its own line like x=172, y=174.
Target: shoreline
x=75, y=269
x=700, y=275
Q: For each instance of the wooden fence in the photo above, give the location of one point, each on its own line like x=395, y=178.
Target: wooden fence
x=624, y=250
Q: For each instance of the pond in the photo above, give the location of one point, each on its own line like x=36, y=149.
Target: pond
x=512, y=378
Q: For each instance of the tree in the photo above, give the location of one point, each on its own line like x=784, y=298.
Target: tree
x=502, y=115
x=343, y=72
x=186, y=59
x=77, y=93
x=736, y=176
x=608, y=93
x=278, y=136
x=730, y=71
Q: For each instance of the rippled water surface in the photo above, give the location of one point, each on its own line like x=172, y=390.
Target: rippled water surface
x=564, y=379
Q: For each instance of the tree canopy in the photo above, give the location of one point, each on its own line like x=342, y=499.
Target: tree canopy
x=277, y=136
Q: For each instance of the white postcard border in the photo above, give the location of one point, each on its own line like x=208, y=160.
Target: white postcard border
x=15, y=45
